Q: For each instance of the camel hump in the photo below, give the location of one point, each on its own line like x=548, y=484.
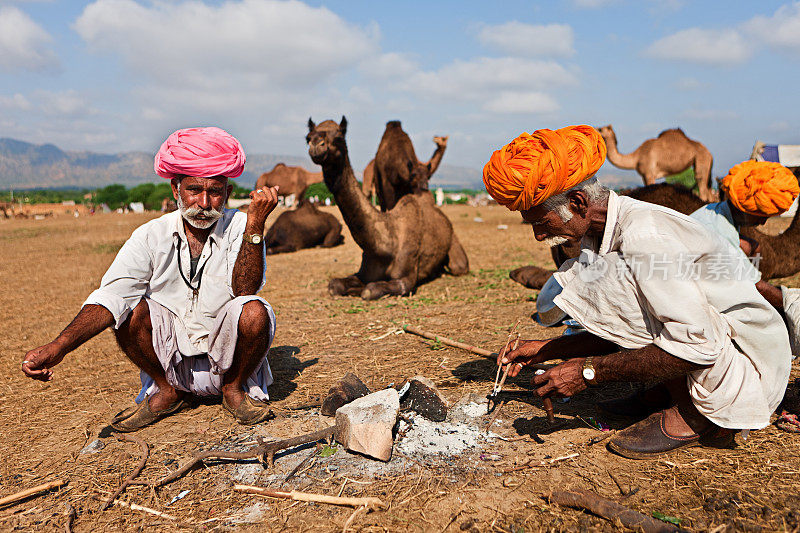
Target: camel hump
x=672, y=131
x=393, y=124
x=279, y=165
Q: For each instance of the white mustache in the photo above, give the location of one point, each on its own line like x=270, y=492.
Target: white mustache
x=190, y=214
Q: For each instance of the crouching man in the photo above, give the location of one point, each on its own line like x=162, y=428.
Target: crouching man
x=181, y=292
x=662, y=299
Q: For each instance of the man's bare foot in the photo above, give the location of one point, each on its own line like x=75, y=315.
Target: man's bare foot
x=164, y=398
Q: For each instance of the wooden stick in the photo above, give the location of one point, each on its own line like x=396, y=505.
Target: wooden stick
x=266, y=450
x=546, y=462
x=370, y=503
x=138, y=470
x=70, y=513
x=611, y=510
x=455, y=344
x=135, y=507
x=27, y=493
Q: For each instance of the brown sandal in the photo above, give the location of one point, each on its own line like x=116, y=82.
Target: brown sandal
x=250, y=412
x=139, y=416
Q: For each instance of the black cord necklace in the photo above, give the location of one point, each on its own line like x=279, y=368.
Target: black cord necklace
x=195, y=290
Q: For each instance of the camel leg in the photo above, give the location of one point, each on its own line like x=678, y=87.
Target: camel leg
x=393, y=287
x=649, y=178
x=333, y=238
x=349, y=286
x=702, y=173
x=281, y=249
x=457, y=261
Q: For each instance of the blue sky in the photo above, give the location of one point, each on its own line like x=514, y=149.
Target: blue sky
x=120, y=75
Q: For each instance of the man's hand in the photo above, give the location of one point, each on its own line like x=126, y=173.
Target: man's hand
x=562, y=380
x=524, y=355
x=262, y=204
x=39, y=362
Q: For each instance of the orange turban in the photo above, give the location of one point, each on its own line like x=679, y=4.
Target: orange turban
x=532, y=168
x=760, y=188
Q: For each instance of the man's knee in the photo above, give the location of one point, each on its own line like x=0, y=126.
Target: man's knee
x=254, y=320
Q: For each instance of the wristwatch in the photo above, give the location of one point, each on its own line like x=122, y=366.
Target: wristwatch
x=253, y=238
x=588, y=371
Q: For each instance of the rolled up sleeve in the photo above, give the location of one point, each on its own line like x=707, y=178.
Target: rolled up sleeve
x=126, y=280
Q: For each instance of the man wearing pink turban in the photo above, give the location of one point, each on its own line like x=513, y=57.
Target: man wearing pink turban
x=181, y=293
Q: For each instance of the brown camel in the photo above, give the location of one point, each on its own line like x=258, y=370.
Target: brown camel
x=779, y=257
x=290, y=180
x=398, y=252
x=670, y=153
x=397, y=170
x=304, y=227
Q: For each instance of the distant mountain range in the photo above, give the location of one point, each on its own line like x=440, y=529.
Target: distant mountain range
x=25, y=166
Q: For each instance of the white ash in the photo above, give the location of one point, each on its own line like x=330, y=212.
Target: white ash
x=439, y=438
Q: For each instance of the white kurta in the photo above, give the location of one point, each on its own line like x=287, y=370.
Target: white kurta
x=660, y=277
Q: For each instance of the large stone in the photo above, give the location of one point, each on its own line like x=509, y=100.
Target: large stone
x=343, y=392
x=365, y=425
x=425, y=399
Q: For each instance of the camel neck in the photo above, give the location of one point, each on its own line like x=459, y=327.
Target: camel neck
x=435, y=160
x=357, y=211
x=617, y=159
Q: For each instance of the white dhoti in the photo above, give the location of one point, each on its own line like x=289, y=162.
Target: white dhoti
x=746, y=347
x=201, y=374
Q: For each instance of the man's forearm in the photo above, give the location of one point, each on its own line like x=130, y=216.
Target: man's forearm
x=650, y=363
x=90, y=321
x=578, y=345
x=249, y=268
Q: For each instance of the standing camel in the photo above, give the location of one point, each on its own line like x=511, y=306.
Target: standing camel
x=670, y=153
x=368, y=184
x=397, y=170
x=398, y=252
x=290, y=180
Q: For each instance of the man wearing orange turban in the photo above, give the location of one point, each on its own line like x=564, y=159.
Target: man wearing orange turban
x=652, y=282
x=755, y=191
x=181, y=293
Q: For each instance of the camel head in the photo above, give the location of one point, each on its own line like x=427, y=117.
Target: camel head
x=441, y=141
x=607, y=133
x=326, y=141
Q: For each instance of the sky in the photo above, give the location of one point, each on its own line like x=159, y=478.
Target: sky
x=120, y=75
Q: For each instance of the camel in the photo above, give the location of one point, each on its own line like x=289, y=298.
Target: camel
x=290, y=180
x=368, y=183
x=398, y=252
x=304, y=227
x=670, y=153
x=779, y=257
x=397, y=170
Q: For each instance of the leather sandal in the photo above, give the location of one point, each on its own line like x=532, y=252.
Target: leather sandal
x=649, y=438
x=250, y=412
x=641, y=404
x=139, y=416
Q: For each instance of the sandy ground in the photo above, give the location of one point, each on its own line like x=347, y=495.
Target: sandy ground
x=48, y=268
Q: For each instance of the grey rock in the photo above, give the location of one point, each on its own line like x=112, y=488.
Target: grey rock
x=93, y=447
x=365, y=425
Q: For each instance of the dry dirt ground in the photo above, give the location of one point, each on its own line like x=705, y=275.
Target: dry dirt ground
x=49, y=266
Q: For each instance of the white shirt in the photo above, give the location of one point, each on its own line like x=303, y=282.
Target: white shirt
x=147, y=266
x=717, y=217
x=691, y=293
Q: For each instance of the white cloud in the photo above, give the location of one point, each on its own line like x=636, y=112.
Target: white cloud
x=64, y=104
x=24, y=45
x=522, y=102
x=593, y=4
x=529, y=40
x=702, y=46
x=390, y=66
x=15, y=102
x=689, y=84
x=253, y=43
x=782, y=30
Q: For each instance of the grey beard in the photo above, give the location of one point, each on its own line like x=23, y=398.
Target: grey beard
x=189, y=214
x=552, y=242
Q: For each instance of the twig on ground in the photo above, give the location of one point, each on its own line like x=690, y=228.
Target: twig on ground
x=454, y=516
x=266, y=450
x=352, y=517
x=600, y=438
x=27, y=493
x=70, y=514
x=371, y=503
x=546, y=462
x=138, y=470
x=610, y=510
x=302, y=463
x=135, y=507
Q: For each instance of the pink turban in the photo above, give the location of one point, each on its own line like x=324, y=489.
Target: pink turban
x=201, y=153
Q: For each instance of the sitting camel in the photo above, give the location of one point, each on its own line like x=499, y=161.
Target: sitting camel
x=397, y=171
x=290, y=180
x=675, y=197
x=304, y=227
x=670, y=153
x=398, y=252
